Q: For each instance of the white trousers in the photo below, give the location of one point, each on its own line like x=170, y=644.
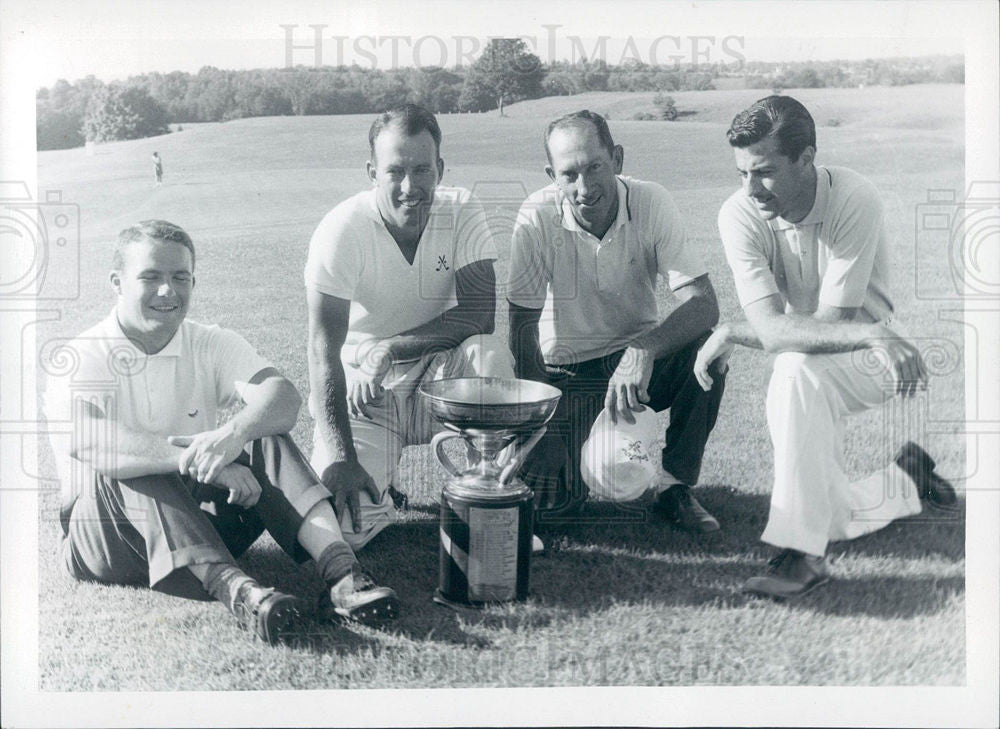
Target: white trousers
x=401, y=419
x=813, y=501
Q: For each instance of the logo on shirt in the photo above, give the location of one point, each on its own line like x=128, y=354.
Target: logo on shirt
x=193, y=413
x=442, y=263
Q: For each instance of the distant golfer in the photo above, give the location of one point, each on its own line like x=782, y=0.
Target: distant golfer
x=585, y=257
x=810, y=257
x=154, y=492
x=400, y=289
x=157, y=167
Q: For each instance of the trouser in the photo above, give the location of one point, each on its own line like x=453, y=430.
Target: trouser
x=672, y=385
x=401, y=418
x=813, y=501
x=147, y=530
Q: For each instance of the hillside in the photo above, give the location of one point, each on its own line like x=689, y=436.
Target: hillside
x=941, y=106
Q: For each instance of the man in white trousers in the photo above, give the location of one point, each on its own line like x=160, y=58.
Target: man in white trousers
x=809, y=254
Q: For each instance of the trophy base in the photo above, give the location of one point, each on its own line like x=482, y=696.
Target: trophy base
x=440, y=599
x=485, y=549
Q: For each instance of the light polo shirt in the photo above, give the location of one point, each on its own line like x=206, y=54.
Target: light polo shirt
x=353, y=256
x=597, y=295
x=177, y=391
x=837, y=255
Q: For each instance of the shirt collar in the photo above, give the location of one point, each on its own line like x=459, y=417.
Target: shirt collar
x=172, y=349
x=816, y=215
x=569, y=222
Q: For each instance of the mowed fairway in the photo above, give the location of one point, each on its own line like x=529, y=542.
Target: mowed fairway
x=621, y=599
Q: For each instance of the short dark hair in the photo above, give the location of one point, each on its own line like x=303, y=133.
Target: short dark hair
x=159, y=231
x=413, y=119
x=780, y=117
x=578, y=120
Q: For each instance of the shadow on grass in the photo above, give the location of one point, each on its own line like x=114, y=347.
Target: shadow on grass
x=883, y=597
x=626, y=554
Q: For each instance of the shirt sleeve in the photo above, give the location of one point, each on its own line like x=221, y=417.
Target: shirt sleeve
x=473, y=237
x=335, y=255
x=236, y=362
x=83, y=370
x=855, y=241
x=527, y=276
x=676, y=259
x=745, y=253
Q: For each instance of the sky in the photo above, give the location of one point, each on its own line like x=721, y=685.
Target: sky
x=113, y=40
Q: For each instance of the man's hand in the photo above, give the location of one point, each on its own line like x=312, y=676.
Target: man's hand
x=243, y=487
x=715, y=348
x=207, y=453
x=909, y=375
x=628, y=388
x=345, y=480
x=364, y=384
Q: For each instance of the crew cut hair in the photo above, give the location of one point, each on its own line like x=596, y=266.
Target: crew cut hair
x=412, y=118
x=579, y=120
x=780, y=117
x=159, y=231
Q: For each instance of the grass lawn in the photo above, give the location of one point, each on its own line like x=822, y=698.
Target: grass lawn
x=620, y=599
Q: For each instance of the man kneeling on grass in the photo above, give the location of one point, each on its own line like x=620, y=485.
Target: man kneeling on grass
x=153, y=492
x=809, y=254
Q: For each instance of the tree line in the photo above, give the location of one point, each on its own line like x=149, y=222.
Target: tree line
x=68, y=114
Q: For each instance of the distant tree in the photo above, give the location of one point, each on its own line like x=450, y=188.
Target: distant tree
x=117, y=112
x=384, y=91
x=59, y=113
x=56, y=128
x=561, y=83
x=505, y=72
x=211, y=94
x=435, y=88
x=666, y=106
x=595, y=75
x=954, y=73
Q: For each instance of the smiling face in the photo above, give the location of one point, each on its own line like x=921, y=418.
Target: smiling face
x=778, y=186
x=584, y=170
x=154, y=290
x=405, y=170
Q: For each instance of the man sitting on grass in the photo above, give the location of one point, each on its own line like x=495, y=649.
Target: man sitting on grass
x=809, y=255
x=153, y=491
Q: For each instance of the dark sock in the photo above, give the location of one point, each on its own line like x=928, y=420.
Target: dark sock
x=223, y=582
x=335, y=563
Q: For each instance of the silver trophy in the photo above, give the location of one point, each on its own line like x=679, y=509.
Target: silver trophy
x=486, y=510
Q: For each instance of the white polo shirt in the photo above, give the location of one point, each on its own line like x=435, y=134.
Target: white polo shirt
x=837, y=255
x=353, y=256
x=596, y=295
x=177, y=391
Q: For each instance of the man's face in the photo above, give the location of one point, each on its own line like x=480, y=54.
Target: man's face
x=774, y=183
x=584, y=171
x=405, y=170
x=154, y=289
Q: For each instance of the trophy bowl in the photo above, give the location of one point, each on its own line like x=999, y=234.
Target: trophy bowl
x=476, y=405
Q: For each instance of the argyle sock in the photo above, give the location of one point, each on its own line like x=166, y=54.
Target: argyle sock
x=223, y=582
x=335, y=563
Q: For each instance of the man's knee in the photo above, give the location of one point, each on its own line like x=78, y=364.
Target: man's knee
x=797, y=377
x=486, y=355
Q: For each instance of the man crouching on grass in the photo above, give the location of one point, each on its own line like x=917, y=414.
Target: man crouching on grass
x=809, y=254
x=152, y=491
